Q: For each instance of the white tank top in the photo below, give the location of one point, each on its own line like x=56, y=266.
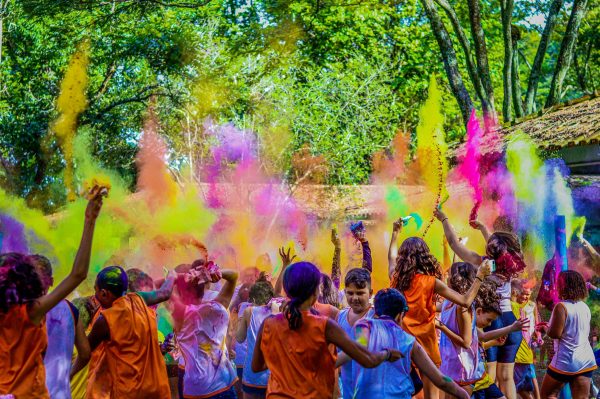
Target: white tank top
x=572, y=352
x=202, y=342
x=505, y=291
x=60, y=325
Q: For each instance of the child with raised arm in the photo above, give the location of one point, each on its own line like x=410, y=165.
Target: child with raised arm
x=417, y=274
x=505, y=250
x=23, y=307
x=460, y=339
x=383, y=331
x=294, y=345
x=573, y=362
x=201, y=332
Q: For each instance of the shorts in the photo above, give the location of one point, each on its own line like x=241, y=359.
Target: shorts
x=258, y=391
x=524, y=375
x=567, y=378
x=491, y=392
x=507, y=352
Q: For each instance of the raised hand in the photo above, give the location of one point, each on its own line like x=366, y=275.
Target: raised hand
x=476, y=224
x=484, y=269
x=397, y=226
x=94, y=205
x=285, y=256
x=335, y=238
x=439, y=214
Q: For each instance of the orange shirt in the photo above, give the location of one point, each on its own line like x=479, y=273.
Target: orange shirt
x=419, y=321
x=324, y=309
x=22, y=343
x=134, y=362
x=301, y=364
x=99, y=378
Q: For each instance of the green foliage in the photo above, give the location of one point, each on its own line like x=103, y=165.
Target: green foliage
x=339, y=76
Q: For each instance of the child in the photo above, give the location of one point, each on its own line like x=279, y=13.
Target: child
x=358, y=291
x=132, y=367
x=504, y=248
x=23, y=307
x=64, y=331
x=573, y=362
x=393, y=380
x=254, y=384
x=201, y=332
x=294, y=345
x=417, y=275
x=525, y=378
x=460, y=327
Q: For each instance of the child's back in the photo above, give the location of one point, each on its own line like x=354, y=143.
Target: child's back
x=389, y=380
x=252, y=379
x=299, y=360
x=573, y=352
x=21, y=347
x=463, y=365
x=202, y=341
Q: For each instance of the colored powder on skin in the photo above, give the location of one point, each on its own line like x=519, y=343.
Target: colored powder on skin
x=469, y=168
x=71, y=102
x=13, y=233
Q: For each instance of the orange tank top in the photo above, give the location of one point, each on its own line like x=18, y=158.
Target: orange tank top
x=301, y=364
x=419, y=321
x=22, y=343
x=135, y=364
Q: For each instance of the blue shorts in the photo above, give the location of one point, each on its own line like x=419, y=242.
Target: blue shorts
x=491, y=392
x=240, y=372
x=524, y=375
x=228, y=394
x=256, y=391
x=507, y=352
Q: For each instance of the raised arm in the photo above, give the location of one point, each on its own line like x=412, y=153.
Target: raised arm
x=335, y=335
x=476, y=224
x=226, y=293
x=459, y=249
x=286, y=261
x=393, y=249
x=467, y=299
x=162, y=294
x=430, y=370
x=336, y=271
x=80, y=266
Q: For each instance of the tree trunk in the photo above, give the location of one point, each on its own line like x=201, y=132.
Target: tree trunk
x=567, y=48
x=516, y=82
x=536, y=69
x=480, y=48
x=487, y=107
x=450, y=61
x=506, y=9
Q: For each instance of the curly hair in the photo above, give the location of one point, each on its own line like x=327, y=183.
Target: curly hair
x=505, y=249
x=19, y=281
x=488, y=298
x=462, y=275
x=261, y=293
x=571, y=286
x=328, y=295
x=414, y=257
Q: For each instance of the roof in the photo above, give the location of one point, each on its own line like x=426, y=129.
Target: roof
x=572, y=123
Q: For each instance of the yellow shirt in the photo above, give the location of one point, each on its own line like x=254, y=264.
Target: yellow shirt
x=524, y=353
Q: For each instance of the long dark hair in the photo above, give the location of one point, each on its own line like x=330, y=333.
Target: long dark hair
x=329, y=294
x=19, y=281
x=414, y=257
x=505, y=249
x=300, y=281
x=462, y=275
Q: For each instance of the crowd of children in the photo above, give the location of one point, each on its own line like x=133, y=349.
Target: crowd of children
x=467, y=333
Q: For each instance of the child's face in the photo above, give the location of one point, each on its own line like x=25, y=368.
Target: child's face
x=524, y=296
x=358, y=298
x=484, y=319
